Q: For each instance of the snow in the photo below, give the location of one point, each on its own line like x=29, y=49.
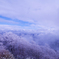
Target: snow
x=20, y=46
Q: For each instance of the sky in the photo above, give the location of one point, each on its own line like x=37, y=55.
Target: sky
x=29, y=14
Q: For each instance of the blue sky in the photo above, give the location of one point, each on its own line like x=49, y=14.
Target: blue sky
x=16, y=21
x=29, y=14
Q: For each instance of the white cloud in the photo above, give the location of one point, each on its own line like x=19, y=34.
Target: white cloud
x=41, y=12
x=14, y=27
x=9, y=27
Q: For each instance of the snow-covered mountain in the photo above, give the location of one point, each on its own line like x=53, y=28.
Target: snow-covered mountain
x=25, y=45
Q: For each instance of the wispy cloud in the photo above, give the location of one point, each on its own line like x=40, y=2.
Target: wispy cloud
x=40, y=12
x=9, y=27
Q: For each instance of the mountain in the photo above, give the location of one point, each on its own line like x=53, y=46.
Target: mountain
x=21, y=48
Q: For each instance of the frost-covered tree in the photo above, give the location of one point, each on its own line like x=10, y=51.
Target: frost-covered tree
x=22, y=49
x=5, y=54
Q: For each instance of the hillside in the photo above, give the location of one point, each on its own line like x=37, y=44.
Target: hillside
x=21, y=48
